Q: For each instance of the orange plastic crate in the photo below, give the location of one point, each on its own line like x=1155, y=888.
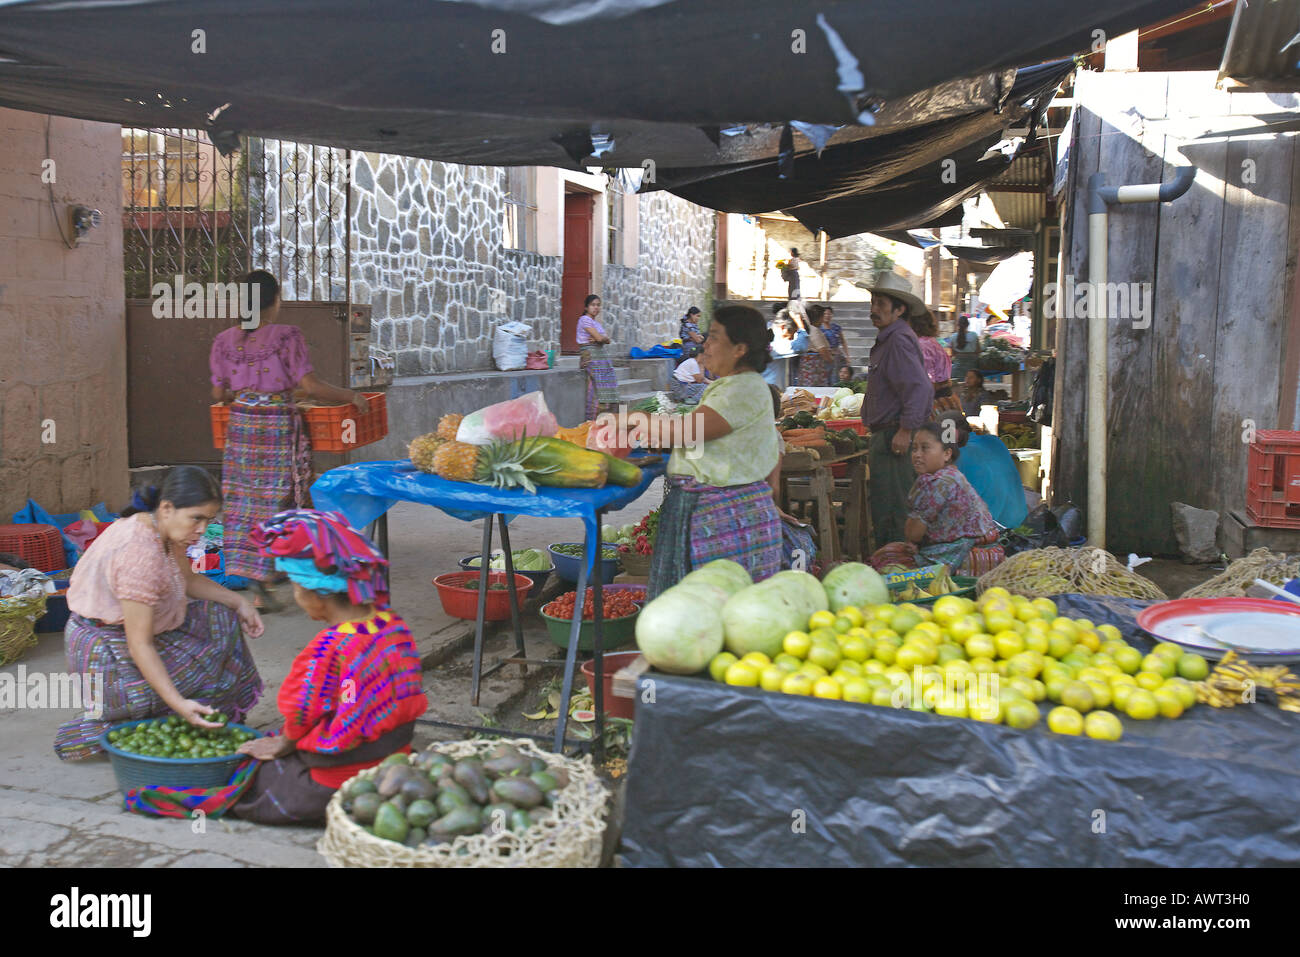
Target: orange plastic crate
x=40, y=546
x=1273, y=479
x=326, y=424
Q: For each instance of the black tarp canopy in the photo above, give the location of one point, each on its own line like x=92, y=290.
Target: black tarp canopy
x=898, y=180
x=535, y=82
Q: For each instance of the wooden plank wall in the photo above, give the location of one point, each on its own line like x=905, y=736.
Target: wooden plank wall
x=1218, y=261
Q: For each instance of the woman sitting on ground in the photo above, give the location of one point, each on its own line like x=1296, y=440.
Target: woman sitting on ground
x=353, y=694
x=690, y=379
x=166, y=639
x=946, y=517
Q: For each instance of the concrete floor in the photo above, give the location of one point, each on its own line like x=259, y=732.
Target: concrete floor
x=71, y=815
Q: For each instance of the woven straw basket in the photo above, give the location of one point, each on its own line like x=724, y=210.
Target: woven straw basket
x=571, y=837
x=18, y=625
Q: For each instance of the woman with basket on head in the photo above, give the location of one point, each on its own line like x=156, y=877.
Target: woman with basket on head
x=353, y=694
x=726, y=459
x=602, y=384
x=266, y=464
x=163, y=637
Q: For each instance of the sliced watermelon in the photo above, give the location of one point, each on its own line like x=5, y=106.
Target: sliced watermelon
x=584, y=716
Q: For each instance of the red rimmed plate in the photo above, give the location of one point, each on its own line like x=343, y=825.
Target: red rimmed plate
x=1258, y=627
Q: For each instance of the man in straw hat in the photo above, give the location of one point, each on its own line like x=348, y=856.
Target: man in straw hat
x=899, y=400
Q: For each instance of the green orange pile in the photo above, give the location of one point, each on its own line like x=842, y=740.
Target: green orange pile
x=989, y=660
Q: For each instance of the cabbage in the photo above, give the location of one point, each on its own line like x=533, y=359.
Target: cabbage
x=626, y=532
x=723, y=572
x=528, y=560
x=680, y=631
x=608, y=533
x=839, y=394
x=854, y=584
x=808, y=589
x=759, y=617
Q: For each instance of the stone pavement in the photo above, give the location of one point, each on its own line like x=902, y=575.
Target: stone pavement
x=70, y=814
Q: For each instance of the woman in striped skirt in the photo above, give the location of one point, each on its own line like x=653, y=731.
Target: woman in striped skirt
x=155, y=635
x=266, y=466
x=602, y=384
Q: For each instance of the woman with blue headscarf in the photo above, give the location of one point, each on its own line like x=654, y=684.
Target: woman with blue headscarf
x=352, y=695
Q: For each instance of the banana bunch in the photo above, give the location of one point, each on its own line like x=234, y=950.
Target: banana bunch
x=1235, y=680
x=939, y=585
x=910, y=593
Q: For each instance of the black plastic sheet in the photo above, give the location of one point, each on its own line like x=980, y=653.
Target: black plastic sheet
x=723, y=776
x=436, y=79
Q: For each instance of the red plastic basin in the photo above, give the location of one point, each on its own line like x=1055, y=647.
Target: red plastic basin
x=461, y=601
x=613, y=662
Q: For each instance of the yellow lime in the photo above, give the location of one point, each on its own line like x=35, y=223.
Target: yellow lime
x=797, y=643
x=798, y=683
x=787, y=661
x=1101, y=695
x=1149, y=680
x=1020, y=714
x=855, y=648
x=981, y=646
x=812, y=670
x=1193, y=667
x=949, y=652
x=1089, y=639
x=983, y=666
x=1103, y=726
x=772, y=677
x=842, y=624
x=1119, y=695
x=1141, y=705
x=1059, y=643
x=853, y=615
x=858, y=690
x=720, y=663
x=1008, y=644
x=1163, y=665
x=1077, y=695
x=948, y=609
x=1037, y=640
x=1168, y=649
x=742, y=674
x=873, y=666
x=1110, y=632
x=757, y=659
x=826, y=655
x=1028, y=664
x=1065, y=720
x=1046, y=608
x=885, y=651
x=826, y=688
x=1129, y=660
x=821, y=619
x=1169, y=702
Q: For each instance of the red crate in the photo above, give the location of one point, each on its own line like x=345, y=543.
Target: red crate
x=40, y=546
x=1273, y=479
x=325, y=424
x=835, y=425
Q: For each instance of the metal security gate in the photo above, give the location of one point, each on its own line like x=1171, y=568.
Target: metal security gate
x=193, y=213
x=272, y=204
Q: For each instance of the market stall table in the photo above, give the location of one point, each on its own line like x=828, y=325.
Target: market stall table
x=821, y=491
x=729, y=776
x=364, y=493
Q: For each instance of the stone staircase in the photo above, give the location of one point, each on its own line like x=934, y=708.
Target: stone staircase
x=854, y=318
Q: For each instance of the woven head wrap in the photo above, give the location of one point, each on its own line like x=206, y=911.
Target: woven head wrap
x=339, y=553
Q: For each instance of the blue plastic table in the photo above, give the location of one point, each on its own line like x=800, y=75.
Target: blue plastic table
x=364, y=493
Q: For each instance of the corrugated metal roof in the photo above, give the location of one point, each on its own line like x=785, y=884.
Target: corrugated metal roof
x=1028, y=170
x=1019, y=210
x=1264, y=45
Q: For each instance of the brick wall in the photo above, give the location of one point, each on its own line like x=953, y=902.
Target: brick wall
x=62, y=318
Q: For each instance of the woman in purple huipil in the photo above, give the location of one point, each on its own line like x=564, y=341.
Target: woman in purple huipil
x=266, y=465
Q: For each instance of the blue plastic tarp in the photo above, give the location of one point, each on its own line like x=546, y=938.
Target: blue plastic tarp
x=33, y=514
x=367, y=490
x=992, y=472
x=656, y=352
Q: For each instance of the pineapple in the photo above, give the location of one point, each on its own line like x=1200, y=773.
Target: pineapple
x=456, y=461
x=423, y=449
x=448, y=426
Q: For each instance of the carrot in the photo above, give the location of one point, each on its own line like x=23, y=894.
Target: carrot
x=802, y=433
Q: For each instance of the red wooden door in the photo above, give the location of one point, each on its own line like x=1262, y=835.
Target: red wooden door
x=575, y=284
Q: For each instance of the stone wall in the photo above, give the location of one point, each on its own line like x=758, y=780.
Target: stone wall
x=674, y=271
x=427, y=257
x=63, y=438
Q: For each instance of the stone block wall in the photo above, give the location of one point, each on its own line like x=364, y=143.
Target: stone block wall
x=63, y=434
x=427, y=257
x=674, y=270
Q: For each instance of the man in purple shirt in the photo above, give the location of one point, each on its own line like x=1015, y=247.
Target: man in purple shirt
x=899, y=399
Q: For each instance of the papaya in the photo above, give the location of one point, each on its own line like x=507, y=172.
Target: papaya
x=621, y=471
x=563, y=465
x=520, y=792
x=390, y=823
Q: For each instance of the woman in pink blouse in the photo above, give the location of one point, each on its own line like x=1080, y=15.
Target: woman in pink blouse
x=159, y=636
x=266, y=466
x=938, y=365
x=602, y=383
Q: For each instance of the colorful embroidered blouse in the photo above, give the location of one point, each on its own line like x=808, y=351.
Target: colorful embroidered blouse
x=271, y=358
x=937, y=364
x=949, y=507
x=352, y=684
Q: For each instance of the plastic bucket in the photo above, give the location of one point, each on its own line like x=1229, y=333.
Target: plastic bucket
x=612, y=662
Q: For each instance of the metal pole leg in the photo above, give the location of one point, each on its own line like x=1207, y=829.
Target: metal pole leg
x=598, y=664
x=514, y=592
x=570, y=657
x=482, y=608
